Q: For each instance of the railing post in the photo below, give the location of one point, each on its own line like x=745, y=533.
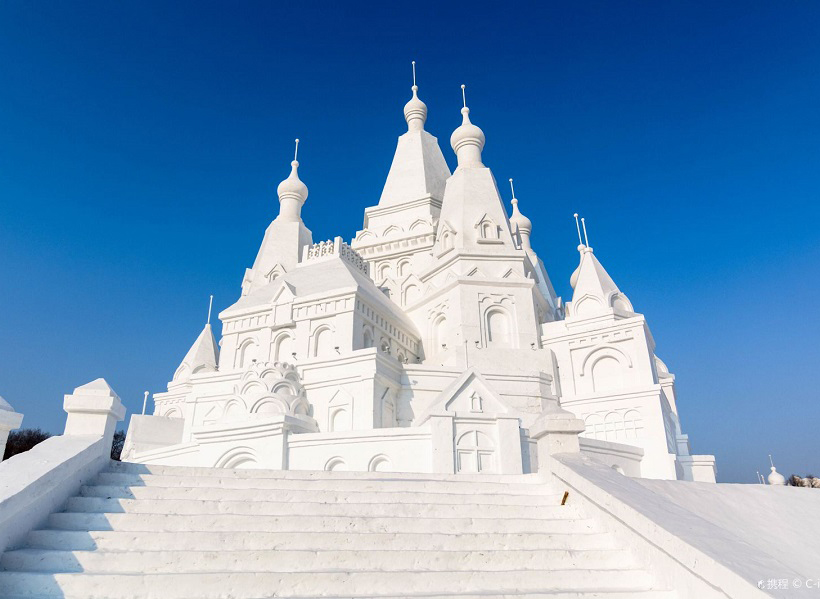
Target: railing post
x=556, y=430
x=93, y=409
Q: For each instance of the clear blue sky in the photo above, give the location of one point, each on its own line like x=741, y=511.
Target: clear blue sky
x=141, y=144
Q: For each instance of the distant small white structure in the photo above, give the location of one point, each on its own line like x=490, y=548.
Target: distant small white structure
x=433, y=342
x=775, y=478
x=9, y=420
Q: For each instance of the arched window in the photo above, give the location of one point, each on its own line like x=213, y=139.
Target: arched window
x=384, y=346
x=384, y=271
x=403, y=268
x=246, y=354
x=633, y=424
x=339, y=412
x=322, y=342
x=340, y=419
x=411, y=294
x=367, y=338
x=607, y=374
x=446, y=241
x=614, y=425
x=499, y=332
x=283, y=348
x=438, y=335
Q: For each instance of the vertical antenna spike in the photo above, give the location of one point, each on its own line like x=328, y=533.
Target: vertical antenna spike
x=296, y=151
x=586, y=239
x=464, y=95
x=770, y=460
x=144, y=402
x=512, y=189
x=414, y=73
x=210, y=306
x=578, y=226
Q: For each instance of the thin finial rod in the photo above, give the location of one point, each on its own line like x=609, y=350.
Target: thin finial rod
x=210, y=305
x=512, y=189
x=578, y=226
x=464, y=95
x=144, y=402
x=414, y=72
x=296, y=151
x=586, y=239
x=770, y=460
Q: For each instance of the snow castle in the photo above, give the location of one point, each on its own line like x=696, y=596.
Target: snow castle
x=430, y=343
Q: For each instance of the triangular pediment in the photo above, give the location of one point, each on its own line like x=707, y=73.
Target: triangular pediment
x=277, y=271
x=285, y=294
x=470, y=395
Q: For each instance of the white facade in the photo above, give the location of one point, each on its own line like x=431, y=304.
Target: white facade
x=432, y=342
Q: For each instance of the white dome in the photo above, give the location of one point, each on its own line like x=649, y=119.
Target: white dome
x=467, y=134
x=520, y=221
x=775, y=478
x=292, y=187
x=415, y=111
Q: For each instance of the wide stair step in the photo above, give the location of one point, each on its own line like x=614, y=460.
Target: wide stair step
x=321, y=584
x=285, y=561
x=194, y=533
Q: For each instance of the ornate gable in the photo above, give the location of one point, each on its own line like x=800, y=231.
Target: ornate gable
x=469, y=395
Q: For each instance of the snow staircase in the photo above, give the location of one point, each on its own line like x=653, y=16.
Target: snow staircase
x=184, y=533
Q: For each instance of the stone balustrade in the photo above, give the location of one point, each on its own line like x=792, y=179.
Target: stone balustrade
x=336, y=247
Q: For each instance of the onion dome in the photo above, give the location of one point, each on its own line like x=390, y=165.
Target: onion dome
x=775, y=478
x=292, y=193
x=520, y=221
x=415, y=112
x=467, y=140
x=521, y=226
x=292, y=187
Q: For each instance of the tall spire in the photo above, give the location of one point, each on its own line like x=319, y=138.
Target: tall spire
x=415, y=111
x=286, y=235
x=202, y=357
x=418, y=170
x=467, y=140
x=594, y=291
x=521, y=225
x=292, y=192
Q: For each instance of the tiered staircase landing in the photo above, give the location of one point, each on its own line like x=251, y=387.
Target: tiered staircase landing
x=185, y=533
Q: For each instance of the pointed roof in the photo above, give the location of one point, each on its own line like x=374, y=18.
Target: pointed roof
x=469, y=394
x=203, y=356
x=418, y=169
x=594, y=290
x=96, y=387
x=472, y=208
